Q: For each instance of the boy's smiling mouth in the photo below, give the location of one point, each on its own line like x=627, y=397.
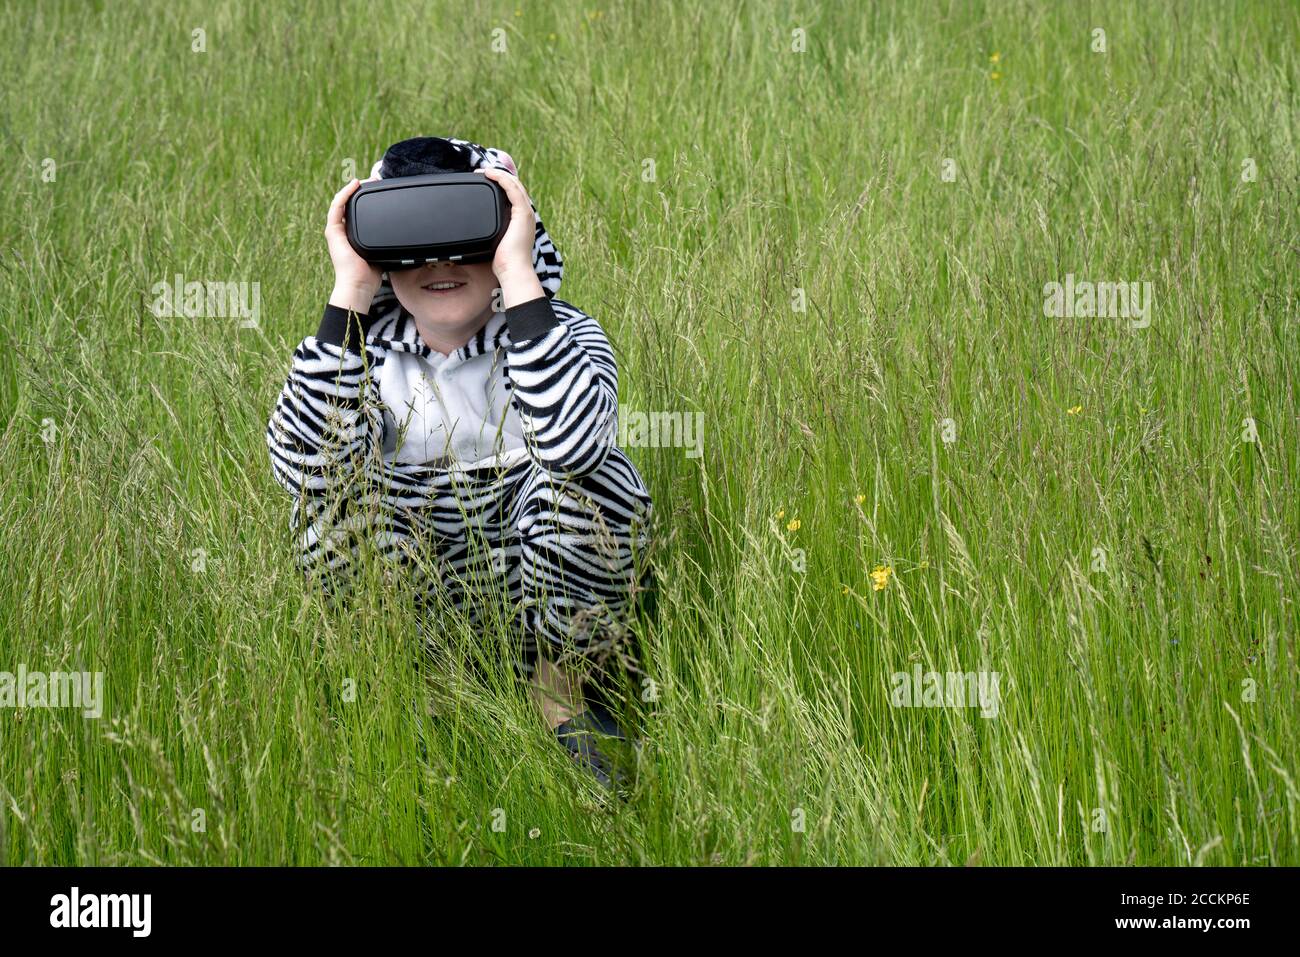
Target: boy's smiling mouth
x=442, y=286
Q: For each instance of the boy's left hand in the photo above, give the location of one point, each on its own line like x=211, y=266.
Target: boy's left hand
x=513, y=262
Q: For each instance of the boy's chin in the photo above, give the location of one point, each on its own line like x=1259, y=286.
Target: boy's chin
x=450, y=315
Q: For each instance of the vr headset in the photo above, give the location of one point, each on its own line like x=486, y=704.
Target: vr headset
x=407, y=221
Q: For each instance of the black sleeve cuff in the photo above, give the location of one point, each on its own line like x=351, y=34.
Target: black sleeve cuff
x=338, y=331
x=530, y=319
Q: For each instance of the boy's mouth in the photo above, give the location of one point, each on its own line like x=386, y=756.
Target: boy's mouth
x=442, y=287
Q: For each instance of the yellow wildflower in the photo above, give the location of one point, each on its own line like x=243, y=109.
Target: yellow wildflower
x=995, y=57
x=1074, y=410
x=859, y=499
x=880, y=577
x=995, y=75
x=793, y=525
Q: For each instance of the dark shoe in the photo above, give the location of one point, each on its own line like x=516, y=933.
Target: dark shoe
x=580, y=735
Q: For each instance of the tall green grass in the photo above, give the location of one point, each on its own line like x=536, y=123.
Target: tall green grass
x=1149, y=709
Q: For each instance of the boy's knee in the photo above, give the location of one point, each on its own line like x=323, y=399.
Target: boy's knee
x=583, y=561
x=609, y=507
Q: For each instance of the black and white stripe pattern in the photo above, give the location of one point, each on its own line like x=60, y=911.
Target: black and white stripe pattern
x=560, y=530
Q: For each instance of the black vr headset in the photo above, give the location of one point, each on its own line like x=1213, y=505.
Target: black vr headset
x=407, y=221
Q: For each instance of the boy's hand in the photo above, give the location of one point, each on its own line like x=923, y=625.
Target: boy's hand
x=513, y=262
x=355, y=280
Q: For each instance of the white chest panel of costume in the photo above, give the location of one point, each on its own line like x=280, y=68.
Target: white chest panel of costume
x=445, y=411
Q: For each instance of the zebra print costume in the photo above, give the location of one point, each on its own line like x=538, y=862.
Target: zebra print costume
x=558, y=526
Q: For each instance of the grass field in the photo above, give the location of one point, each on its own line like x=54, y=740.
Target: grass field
x=827, y=229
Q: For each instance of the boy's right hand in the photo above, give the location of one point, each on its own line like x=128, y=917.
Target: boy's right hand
x=355, y=280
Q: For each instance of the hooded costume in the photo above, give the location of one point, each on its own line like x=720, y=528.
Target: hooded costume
x=493, y=466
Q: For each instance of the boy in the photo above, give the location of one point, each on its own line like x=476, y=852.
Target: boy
x=450, y=431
